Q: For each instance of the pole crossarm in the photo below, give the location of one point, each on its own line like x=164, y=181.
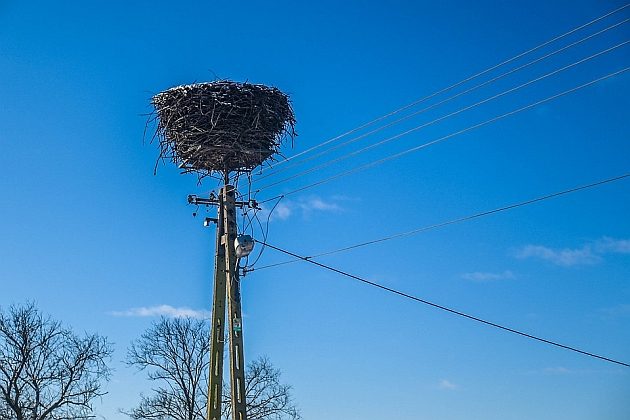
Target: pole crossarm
x=215, y=201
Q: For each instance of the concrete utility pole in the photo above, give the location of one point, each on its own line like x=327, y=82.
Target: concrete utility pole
x=237, y=364
x=226, y=285
x=223, y=128
x=215, y=386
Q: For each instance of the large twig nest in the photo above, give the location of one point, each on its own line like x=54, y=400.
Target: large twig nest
x=222, y=126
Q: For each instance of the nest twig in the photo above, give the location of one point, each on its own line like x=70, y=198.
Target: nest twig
x=223, y=126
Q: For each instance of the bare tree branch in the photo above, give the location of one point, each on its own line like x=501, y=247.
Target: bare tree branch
x=46, y=370
x=175, y=353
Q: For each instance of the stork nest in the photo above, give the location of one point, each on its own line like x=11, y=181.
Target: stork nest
x=223, y=126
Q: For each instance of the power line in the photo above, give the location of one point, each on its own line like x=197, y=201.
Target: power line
x=264, y=232
x=448, y=88
x=442, y=118
x=451, y=135
x=447, y=309
x=450, y=98
x=454, y=221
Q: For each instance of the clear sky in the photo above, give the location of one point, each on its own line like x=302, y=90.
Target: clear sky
x=93, y=237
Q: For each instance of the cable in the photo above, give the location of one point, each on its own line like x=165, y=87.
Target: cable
x=447, y=309
x=448, y=136
x=264, y=232
x=446, y=89
x=444, y=117
x=450, y=98
x=250, y=221
x=454, y=221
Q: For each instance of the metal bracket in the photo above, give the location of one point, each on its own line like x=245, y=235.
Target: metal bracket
x=209, y=220
x=214, y=201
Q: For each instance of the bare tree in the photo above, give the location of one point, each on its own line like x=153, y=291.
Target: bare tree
x=47, y=372
x=267, y=398
x=176, y=353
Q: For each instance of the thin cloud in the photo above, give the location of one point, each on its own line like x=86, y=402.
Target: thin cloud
x=563, y=257
x=485, y=276
x=618, y=311
x=589, y=254
x=304, y=207
x=282, y=212
x=557, y=370
x=563, y=371
x=447, y=385
x=316, y=203
x=608, y=245
x=162, y=310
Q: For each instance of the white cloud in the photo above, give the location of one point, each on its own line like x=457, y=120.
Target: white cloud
x=484, y=276
x=304, y=206
x=564, y=257
x=316, y=203
x=612, y=245
x=163, y=310
x=588, y=254
x=282, y=212
x=558, y=370
x=563, y=371
x=446, y=384
x=617, y=311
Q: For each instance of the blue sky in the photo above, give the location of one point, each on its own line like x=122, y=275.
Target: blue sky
x=89, y=233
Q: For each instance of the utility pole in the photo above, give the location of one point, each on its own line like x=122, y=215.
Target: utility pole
x=237, y=364
x=226, y=287
x=221, y=128
x=215, y=386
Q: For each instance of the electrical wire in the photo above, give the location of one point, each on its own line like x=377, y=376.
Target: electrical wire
x=448, y=88
x=248, y=221
x=455, y=221
x=451, y=135
x=442, y=118
x=447, y=309
x=450, y=98
x=265, y=233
